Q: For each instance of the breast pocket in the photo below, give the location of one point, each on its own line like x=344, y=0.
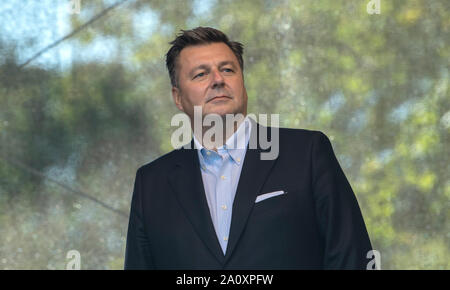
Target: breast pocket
x=268, y=195
x=270, y=205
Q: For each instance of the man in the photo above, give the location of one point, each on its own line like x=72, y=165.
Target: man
x=221, y=207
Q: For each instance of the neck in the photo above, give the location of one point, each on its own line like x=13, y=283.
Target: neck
x=214, y=136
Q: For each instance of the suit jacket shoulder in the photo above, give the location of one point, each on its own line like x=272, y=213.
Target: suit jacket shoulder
x=162, y=164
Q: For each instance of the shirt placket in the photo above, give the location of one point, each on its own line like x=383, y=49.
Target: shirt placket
x=223, y=200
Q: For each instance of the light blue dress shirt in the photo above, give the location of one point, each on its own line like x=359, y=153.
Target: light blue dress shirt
x=220, y=173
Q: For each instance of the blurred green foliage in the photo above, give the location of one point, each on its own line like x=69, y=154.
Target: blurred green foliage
x=377, y=85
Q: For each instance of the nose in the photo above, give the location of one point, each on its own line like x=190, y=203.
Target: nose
x=217, y=79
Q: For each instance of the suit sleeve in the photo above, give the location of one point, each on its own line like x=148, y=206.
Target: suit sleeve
x=137, y=252
x=346, y=241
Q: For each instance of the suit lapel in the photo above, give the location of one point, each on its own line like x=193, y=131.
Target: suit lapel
x=253, y=175
x=188, y=186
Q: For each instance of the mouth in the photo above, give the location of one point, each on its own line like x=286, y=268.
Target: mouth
x=218, y=98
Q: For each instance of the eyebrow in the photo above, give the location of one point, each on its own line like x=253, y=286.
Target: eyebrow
x=204, y=66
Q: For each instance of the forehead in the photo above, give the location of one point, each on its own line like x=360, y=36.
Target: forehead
x=213, y=53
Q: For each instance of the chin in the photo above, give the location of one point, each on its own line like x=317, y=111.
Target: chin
x=220, y=111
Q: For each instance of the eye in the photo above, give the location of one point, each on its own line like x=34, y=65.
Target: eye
x=199, y=75
x=227, y=70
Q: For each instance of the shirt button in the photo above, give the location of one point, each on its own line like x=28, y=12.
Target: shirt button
x=208, y=153
x=224, y=207
x=238, y=159
x=223, y=177
x=225, y=238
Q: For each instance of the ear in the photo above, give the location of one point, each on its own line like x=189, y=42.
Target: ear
x=176, y=94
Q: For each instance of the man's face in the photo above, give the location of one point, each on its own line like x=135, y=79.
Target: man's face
x=210, y=76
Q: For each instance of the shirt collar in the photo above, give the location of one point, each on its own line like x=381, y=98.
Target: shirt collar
x=236, y=144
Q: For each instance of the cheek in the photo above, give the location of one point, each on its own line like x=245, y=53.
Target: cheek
x=193, y=96
x=200, y=93
x=238, y=88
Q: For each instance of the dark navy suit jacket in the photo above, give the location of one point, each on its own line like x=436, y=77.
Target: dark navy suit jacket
x=317, y=224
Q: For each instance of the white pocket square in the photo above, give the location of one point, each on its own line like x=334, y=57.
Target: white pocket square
x=264, y=196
